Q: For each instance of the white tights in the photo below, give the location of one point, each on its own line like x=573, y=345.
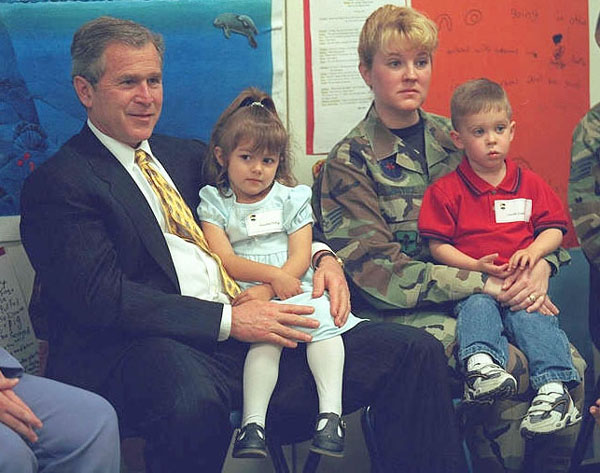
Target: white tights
x=325, y=360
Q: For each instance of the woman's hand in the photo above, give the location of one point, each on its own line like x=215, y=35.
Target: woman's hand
x=526, y=289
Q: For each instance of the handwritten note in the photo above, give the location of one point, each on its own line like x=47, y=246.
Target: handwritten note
x=16, y=332
x=538, y=50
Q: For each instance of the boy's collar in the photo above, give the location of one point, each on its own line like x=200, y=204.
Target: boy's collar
x=510, y=184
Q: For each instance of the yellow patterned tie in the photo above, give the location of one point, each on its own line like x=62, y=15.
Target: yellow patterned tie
x=178, y=215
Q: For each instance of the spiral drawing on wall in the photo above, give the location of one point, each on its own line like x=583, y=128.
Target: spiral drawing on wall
x=473, y=16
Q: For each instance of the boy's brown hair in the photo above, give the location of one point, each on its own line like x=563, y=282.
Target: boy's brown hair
x=476, y=96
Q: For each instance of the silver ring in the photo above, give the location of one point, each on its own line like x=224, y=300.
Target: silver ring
x=532, y=298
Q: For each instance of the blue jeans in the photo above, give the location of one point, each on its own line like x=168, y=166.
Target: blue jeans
x=483, y=326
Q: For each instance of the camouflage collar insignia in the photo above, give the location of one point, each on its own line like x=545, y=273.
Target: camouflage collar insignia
x=386, y=144
x=438, y=144
x=382, y=140
x=389, y=167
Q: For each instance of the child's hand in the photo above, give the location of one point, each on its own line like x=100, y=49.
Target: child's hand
x=262, y=292
x=285, y=286
x=523, y=258
x=485, y=264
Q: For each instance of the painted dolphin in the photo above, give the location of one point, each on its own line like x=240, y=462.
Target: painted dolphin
x=240, y=24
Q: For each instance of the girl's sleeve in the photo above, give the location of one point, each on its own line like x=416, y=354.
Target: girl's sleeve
x=212, y=207
x=297, y=211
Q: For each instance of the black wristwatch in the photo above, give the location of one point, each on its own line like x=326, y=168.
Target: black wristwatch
x=328, y=253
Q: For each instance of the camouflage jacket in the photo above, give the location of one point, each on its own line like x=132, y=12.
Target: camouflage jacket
x=584, y=184
x=367, y=199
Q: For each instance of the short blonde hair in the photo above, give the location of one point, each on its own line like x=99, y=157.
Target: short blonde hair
x=389, y=24
x=476, y=96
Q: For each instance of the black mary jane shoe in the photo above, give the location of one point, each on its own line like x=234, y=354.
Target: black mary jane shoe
x=328, y=440
x=250, y=442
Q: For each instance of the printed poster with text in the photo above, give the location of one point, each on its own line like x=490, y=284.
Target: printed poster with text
x=538, y=50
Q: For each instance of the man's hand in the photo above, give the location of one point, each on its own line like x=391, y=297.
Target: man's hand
x=260, y=292
x=15, y=413
x=527, y=289
x=330, y=276
x=259, y=321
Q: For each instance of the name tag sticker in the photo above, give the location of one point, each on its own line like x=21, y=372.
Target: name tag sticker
x=515, y=210
x=260, y=223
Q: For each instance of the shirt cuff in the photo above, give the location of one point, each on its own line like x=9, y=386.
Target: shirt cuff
x=225, y=328
x=316, y=247
x=319, y=246
x=9, y=366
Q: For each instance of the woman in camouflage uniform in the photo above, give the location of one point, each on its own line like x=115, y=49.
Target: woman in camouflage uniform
x=367, y=199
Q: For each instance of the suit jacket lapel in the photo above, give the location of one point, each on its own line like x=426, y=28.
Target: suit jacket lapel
x=124, y=190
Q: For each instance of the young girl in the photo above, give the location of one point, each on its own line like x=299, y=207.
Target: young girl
x=260, y=226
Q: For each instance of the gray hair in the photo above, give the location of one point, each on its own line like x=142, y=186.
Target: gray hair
x=91, y=40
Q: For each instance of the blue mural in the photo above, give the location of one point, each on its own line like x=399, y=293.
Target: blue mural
x=214, y=48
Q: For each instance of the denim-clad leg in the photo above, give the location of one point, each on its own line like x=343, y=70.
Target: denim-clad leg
x=79, y=435
x=544, y=344
x=479, y=329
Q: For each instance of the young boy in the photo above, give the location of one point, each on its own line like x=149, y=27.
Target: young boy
x=492, y=216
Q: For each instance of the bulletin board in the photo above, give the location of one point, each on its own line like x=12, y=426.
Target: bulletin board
x=539, y=51
x=214, y=49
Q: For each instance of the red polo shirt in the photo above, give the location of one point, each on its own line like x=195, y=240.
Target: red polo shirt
x=460, y=208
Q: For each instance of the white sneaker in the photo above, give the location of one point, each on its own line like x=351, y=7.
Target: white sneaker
x=549, y=413
x=488, y=383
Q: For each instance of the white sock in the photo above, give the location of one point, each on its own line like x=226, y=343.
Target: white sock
x=478, y=360
x=261, y=370
x=552, y=387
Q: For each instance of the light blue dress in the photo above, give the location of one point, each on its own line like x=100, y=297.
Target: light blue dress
x=259, y=232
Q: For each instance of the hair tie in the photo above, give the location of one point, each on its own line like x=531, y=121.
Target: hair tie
x=257, y=104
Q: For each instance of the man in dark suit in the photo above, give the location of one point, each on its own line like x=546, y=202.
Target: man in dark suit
x=139, y=314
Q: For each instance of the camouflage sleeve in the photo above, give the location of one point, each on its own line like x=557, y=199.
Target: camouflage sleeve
x=348, y=209
x=584, y=184
x=556, y=259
